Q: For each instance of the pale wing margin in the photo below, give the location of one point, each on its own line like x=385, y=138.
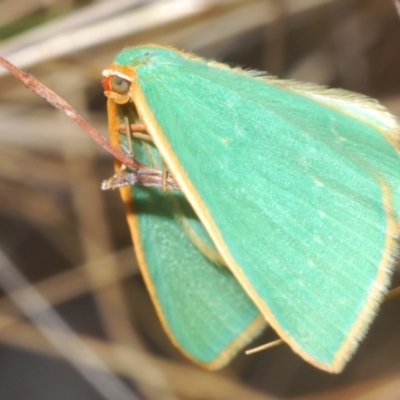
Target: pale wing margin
x=359, y=106
x=364, y=108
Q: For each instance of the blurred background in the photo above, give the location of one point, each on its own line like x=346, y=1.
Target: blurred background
x=75, y=318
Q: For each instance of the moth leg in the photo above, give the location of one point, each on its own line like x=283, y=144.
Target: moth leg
x=135, y=130
x=140, y=135
x=164, y=177
x=167, y=180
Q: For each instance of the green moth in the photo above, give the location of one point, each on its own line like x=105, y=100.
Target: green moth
x=297, y=189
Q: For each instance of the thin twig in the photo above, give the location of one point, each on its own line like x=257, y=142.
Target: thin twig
x=263, y=347
x=393, y=294
x=43, y=91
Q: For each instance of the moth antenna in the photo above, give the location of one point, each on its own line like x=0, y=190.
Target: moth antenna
x=164, y=177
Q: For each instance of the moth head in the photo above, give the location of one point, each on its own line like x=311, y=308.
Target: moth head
x=117, y=85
